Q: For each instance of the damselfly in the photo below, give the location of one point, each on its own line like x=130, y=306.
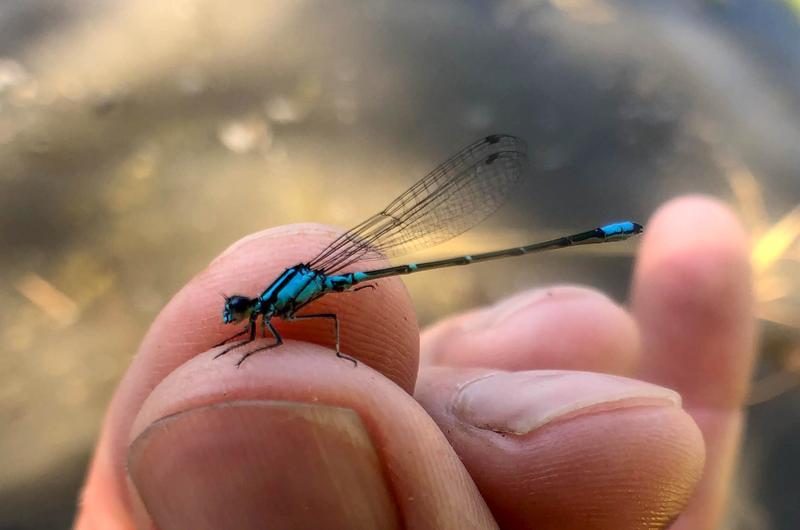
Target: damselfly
x=451, y=199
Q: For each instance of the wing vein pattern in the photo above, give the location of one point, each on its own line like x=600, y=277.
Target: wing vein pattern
x=451, y=199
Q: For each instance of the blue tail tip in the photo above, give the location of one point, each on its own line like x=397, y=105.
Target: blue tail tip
x=622, y=229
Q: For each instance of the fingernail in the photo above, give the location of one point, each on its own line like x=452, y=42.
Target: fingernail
x=261, y=464
x=520, y=402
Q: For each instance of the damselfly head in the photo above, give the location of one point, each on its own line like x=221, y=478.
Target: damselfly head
x=237, y=308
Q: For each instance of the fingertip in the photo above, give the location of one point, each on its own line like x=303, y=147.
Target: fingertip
x=560, y=327
x=302, y=235
x=297, y=413
x=693, y=299
x=377, y=326
x=693, y=222
x=563, y=449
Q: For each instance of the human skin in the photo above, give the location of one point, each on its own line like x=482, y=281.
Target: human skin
x=542, y=411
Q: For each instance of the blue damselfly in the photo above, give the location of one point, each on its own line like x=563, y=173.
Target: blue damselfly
x=451, y=199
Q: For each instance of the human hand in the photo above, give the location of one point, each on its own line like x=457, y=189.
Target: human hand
x=297, y=438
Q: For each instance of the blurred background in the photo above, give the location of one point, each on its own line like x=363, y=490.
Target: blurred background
x=138, y=139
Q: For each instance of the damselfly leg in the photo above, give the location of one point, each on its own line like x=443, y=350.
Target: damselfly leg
x=278, y=340
x=335, y=319
x=249, y=328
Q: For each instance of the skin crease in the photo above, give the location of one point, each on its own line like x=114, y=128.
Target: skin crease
x=632, y=459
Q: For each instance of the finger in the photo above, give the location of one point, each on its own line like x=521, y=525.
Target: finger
x=692, y=296
x=559, y=449
x=378, y=327
x=321, y=445
x=565, y=327
x=565, y=449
